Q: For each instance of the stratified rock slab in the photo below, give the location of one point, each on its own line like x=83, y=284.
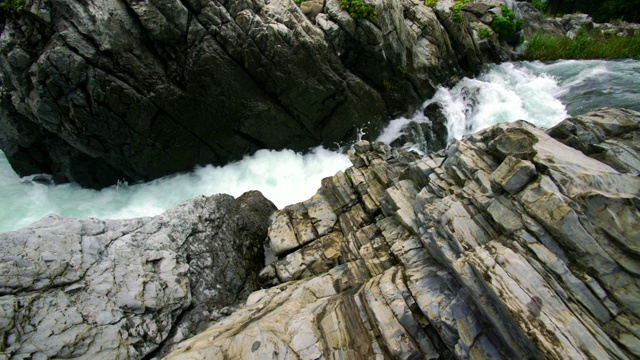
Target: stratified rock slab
x=509, y=245
x=120, y=289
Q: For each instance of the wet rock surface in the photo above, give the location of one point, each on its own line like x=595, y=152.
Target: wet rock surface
x=514, y=242
x=96, y=91
x=126, y=289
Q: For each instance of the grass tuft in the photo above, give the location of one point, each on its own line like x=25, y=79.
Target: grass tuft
x=584, y=45
x=358, y=9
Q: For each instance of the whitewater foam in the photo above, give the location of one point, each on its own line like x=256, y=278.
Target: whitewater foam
x=541, y=93
x=284, y=177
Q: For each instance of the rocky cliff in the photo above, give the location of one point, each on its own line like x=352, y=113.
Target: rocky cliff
x=513, y=243
x=96, y=91
x=126, y=289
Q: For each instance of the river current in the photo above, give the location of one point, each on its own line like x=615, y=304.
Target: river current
x=541, y=93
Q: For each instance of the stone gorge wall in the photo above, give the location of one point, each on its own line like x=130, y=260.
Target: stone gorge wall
x=513, y=243
x=96, y=91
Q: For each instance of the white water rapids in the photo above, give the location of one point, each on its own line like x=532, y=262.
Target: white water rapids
x=543, y=94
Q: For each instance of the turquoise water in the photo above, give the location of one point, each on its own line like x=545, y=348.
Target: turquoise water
x=284, y=177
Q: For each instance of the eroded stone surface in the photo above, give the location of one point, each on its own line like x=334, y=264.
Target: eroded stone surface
x=510, y=250
x=122, y=289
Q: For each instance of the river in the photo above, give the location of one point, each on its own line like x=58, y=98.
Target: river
x=541, y=93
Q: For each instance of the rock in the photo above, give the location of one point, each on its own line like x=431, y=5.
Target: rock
x=312, y=8
x=572, y=23
x=607, y=136
x=513, y=174
x=536, y=22
x=127, y=289
x=429, y=135
x=509, y=244
x=96, y=92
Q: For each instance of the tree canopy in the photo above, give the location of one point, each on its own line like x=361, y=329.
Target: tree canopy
x=599, y=10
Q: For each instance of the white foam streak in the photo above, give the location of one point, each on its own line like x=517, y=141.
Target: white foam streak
x=284, y=177
x=529, y=90
x=504, y=93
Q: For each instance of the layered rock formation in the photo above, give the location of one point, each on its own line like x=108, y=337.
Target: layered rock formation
x=96, y=91
x=126, y=289
x=513, y=243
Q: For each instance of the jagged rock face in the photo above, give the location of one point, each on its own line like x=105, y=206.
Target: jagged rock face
x=96, y=91
x=511, y=244
x=122, y=289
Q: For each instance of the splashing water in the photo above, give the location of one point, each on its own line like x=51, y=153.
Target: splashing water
x=543, y=94
x=284, y=177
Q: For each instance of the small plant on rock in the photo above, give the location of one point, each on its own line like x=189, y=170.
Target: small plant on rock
x=358, y=9
x=484, y=33
x=431, y=3
x=506, y=25
x=456, y=10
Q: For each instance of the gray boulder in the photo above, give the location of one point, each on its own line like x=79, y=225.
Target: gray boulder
x=537, y=22
x=127, y=289
x=510, y=244
x=96, y=91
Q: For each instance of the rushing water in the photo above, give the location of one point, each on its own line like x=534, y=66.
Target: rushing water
x=284, y=177
x=543, y=94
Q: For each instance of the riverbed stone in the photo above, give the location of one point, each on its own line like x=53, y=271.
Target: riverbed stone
x=513, y=174
x=124, y=289
x=532, y=255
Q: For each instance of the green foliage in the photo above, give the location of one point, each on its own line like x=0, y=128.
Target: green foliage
x=298, y=2
x=506, y=25
x=456, y=10
x=358, y=9
x=599, y=10
x=15, y=7
x=387, y=85
x=431, y=3
x=403, y=71
x=584, y=45
x=541, y=5
x=484, y=33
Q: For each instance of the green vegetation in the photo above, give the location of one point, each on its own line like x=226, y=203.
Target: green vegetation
x=599, y=10
x=541, y=5
x=358, y=9
x=14, y=7
x=404, y=72
x=456, y=10
x=431, y=3
x=484, y=33
x=584, y=45
x=387, y=85
x=506, y=25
